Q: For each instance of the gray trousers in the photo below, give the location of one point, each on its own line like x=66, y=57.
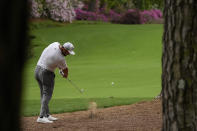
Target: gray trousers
x=45, y=79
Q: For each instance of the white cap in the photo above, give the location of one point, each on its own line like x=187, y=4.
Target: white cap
x=69, y=47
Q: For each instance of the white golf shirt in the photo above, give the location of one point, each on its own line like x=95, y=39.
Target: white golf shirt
x=51, y=58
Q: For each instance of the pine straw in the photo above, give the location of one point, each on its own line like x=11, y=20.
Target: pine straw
x=142, y=116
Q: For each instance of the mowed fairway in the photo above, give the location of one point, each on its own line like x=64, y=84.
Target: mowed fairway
x=128, y=55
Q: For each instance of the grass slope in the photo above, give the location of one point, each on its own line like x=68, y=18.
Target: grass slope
x=128, y=55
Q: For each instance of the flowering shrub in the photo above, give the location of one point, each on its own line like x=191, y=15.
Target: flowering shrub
x=132, y=17
x=36, y=9
x=129, y=17
x=98, y=16
x=87, y=15
x=114, y=17
x=58, y=10
x=158, y=12
x=68, y=10
x=150, y=15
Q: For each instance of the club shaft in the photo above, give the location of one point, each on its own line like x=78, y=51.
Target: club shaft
x=75, y=85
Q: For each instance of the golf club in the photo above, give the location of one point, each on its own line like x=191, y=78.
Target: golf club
x=92, y=105
x=80, y=90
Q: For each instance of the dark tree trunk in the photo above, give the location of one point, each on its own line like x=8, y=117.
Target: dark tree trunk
x=179, y=66
x=13, y=44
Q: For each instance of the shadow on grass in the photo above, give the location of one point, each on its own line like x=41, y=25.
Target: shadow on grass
x=32, y=107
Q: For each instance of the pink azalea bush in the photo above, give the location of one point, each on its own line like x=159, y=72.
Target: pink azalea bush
x=91, y=16
x=131, y=16
x=151, y=15
x=113, y=16
x=97, y=16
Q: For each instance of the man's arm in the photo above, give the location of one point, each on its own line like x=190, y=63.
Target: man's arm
x=63, y=68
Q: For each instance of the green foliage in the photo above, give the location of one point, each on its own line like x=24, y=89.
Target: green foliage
x=117, y=5
x=122, y=5
x=148, y=4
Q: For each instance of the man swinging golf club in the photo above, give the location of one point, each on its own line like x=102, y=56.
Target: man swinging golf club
x=51, y=58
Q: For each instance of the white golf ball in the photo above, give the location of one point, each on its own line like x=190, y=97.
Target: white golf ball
x=112, y=83
x=82, y=90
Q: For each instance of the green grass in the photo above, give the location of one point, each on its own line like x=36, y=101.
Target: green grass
x=76, y=104
x=128, y=55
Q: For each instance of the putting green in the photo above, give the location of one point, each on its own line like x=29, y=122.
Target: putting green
x=128, y=55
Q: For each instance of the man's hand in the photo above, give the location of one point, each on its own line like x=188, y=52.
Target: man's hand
x=61, y=73
x=64, y=72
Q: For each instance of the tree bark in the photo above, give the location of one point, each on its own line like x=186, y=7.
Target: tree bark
x=13, y=44
x=179, y=66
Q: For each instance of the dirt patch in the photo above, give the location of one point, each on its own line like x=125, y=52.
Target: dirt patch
x=142, y=116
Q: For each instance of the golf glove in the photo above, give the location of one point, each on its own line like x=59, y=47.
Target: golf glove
x=61, y=73
x=64, y=72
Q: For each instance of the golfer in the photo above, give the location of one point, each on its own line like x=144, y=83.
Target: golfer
x=51, y=58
